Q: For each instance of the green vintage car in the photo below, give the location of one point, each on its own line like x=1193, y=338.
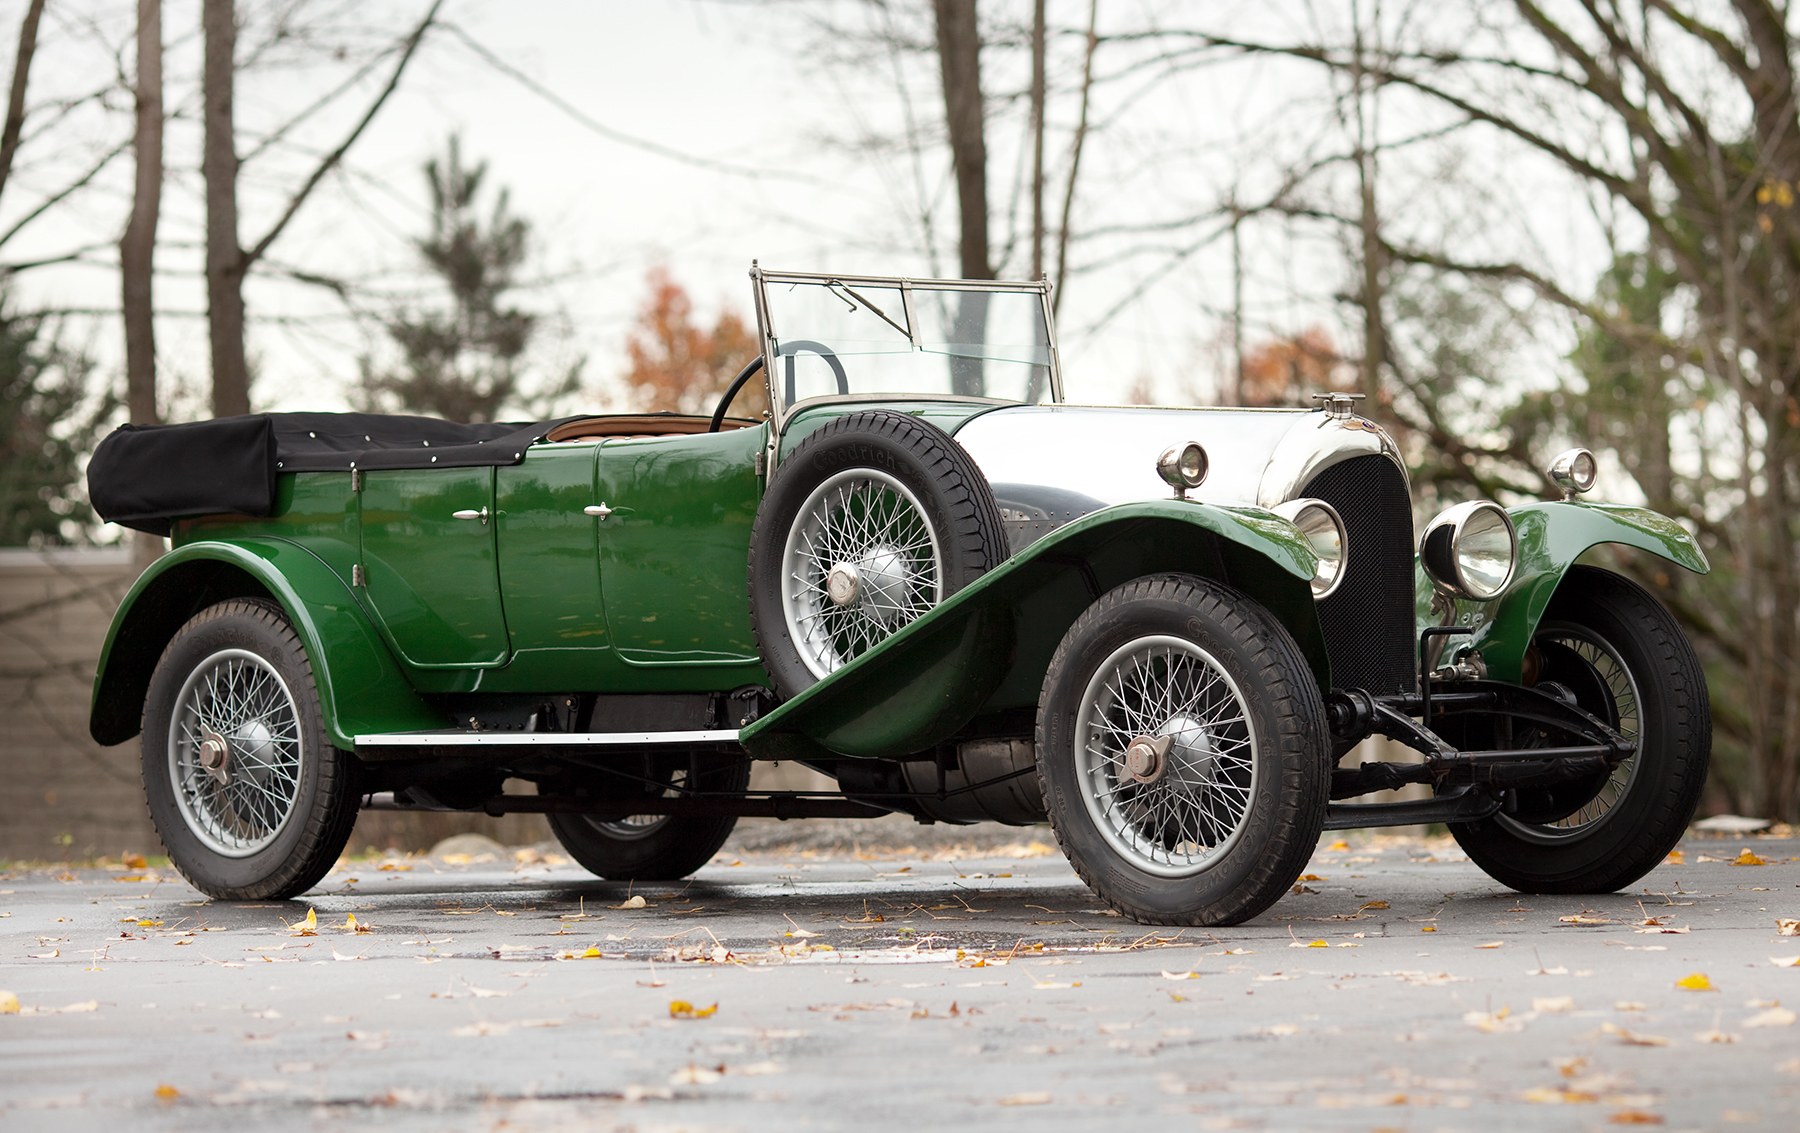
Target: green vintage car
x=925, y=574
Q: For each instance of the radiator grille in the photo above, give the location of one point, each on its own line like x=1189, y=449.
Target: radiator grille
x=1368, y=622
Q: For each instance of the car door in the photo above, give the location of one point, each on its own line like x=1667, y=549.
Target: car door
x=429, y=565
x=674, y=544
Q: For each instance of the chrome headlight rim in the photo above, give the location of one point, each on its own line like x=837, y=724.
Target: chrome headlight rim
x=1574, y=471
x=1444, y=550
x=1323, y=528
x=1183, y=467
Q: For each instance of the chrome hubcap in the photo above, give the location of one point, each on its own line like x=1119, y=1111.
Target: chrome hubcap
x=1166, y=756
x=860, y=562
x=214, y=756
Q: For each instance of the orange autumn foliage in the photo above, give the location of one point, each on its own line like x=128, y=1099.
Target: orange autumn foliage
x=1286, y=370
x=678, y=366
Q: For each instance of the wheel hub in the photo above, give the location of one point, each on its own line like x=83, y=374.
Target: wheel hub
x=214, y=755
x=1146, y=758
x=1193, y=750
x=843, y=584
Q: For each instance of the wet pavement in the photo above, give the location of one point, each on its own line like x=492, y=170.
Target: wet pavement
x=838, y=984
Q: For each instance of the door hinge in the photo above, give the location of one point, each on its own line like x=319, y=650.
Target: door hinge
x=358, y=577
x=356, y=479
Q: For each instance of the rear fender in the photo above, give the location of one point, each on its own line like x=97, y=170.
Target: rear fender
x=1552, y=536
x=987, y=647
x=361, y=689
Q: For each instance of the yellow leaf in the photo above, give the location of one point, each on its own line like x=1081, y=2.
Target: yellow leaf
x=682, y=1009
x=166, y=1092
x=1634, y=1117
x=1695, y=981
x=1428, y=928
x=1340, y=844
x=591, y=953
x=1747, y=856
x=307, y=925
x=9, y=1003
x=1310, y=877
x=1785, y=961
x=133, y=861
x=1676, y=857
x=351, y=924
x=1369, y=905
x=1317, y=944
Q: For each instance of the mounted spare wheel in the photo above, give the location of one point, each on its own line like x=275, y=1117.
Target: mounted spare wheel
x=870, y=522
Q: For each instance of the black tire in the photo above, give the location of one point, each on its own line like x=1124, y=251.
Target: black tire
x=655, y=847
x=1629, y=664
x=234, y=684
x=1213, y=829
x=875, y=463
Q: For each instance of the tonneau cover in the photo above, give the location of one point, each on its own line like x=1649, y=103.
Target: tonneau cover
x=144, y=476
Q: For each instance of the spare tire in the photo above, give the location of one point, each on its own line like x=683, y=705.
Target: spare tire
x=870, y=521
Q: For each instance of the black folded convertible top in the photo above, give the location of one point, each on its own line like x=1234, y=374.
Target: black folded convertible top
x=144, y=476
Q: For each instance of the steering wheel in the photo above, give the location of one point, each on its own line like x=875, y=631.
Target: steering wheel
x=789, y=349
x=731, y=391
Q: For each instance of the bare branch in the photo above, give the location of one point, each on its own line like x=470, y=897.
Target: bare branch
x=15, y=103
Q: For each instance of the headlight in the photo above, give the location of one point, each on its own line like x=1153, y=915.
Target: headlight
x=1574, y=472
x=1182, y=467
x=1470, y=550
x=1323, y=528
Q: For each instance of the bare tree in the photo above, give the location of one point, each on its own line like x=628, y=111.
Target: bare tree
x=959, y=63
x=137, y=250
x=227, y=261
x=15, y=102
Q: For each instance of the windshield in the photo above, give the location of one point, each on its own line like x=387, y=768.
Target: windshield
x=867, y=338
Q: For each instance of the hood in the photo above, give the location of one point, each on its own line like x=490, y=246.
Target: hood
x=1050, y=464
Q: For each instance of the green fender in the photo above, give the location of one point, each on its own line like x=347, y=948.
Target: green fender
x=361, y=689
x=1551, y=537
x=986, y=648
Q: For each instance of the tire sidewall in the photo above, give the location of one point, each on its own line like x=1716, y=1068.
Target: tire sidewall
x=264, y=872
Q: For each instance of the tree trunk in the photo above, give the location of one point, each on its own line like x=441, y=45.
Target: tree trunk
x=959, y=57
x=224, y=257
x=15, y=103
x=1037, y=139
x=137, y=250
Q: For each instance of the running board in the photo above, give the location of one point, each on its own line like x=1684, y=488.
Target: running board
x=468, y=738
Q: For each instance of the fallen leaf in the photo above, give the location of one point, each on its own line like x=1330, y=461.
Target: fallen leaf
x=1494, y=1022
x=682, y=1009
x=1773, y=1017
x=1309, y=877
x=1747, y=856
x=1634, y=1117
x=1632, y=1038
x=1555, y=1095
x=1785, y=961
x=691, y=1075
x=1553, y=1005
x=9, y=1003
x=1035, y=1098
x=1369, y=906
x=394, y=867
x=1181, y=975
x=1676, y=857
x=1788, y=926
x=801, y=934
x=635, y=901
x=1428, y=928
x=307, y=925
x=351, y=924
x=1339, y=845
x=1583, y=918
x=1695, y=981
x=166, y=1093
x=1493, y=944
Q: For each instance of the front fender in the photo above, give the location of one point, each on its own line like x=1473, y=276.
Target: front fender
x=1552, y=536
x=361, y=689
x=986, y=648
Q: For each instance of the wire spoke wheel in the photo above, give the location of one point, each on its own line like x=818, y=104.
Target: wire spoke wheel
x=235, y=752
x=1166, y=755
x=1605, y=688
x=861, y=561
x=652, y=847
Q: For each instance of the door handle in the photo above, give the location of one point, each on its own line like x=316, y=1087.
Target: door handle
x=471, y=513
x=598, y=511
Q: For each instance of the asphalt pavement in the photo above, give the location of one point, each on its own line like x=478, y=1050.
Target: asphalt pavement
x=835, y=983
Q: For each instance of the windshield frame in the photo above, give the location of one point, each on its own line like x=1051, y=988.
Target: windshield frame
x=762, y=279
